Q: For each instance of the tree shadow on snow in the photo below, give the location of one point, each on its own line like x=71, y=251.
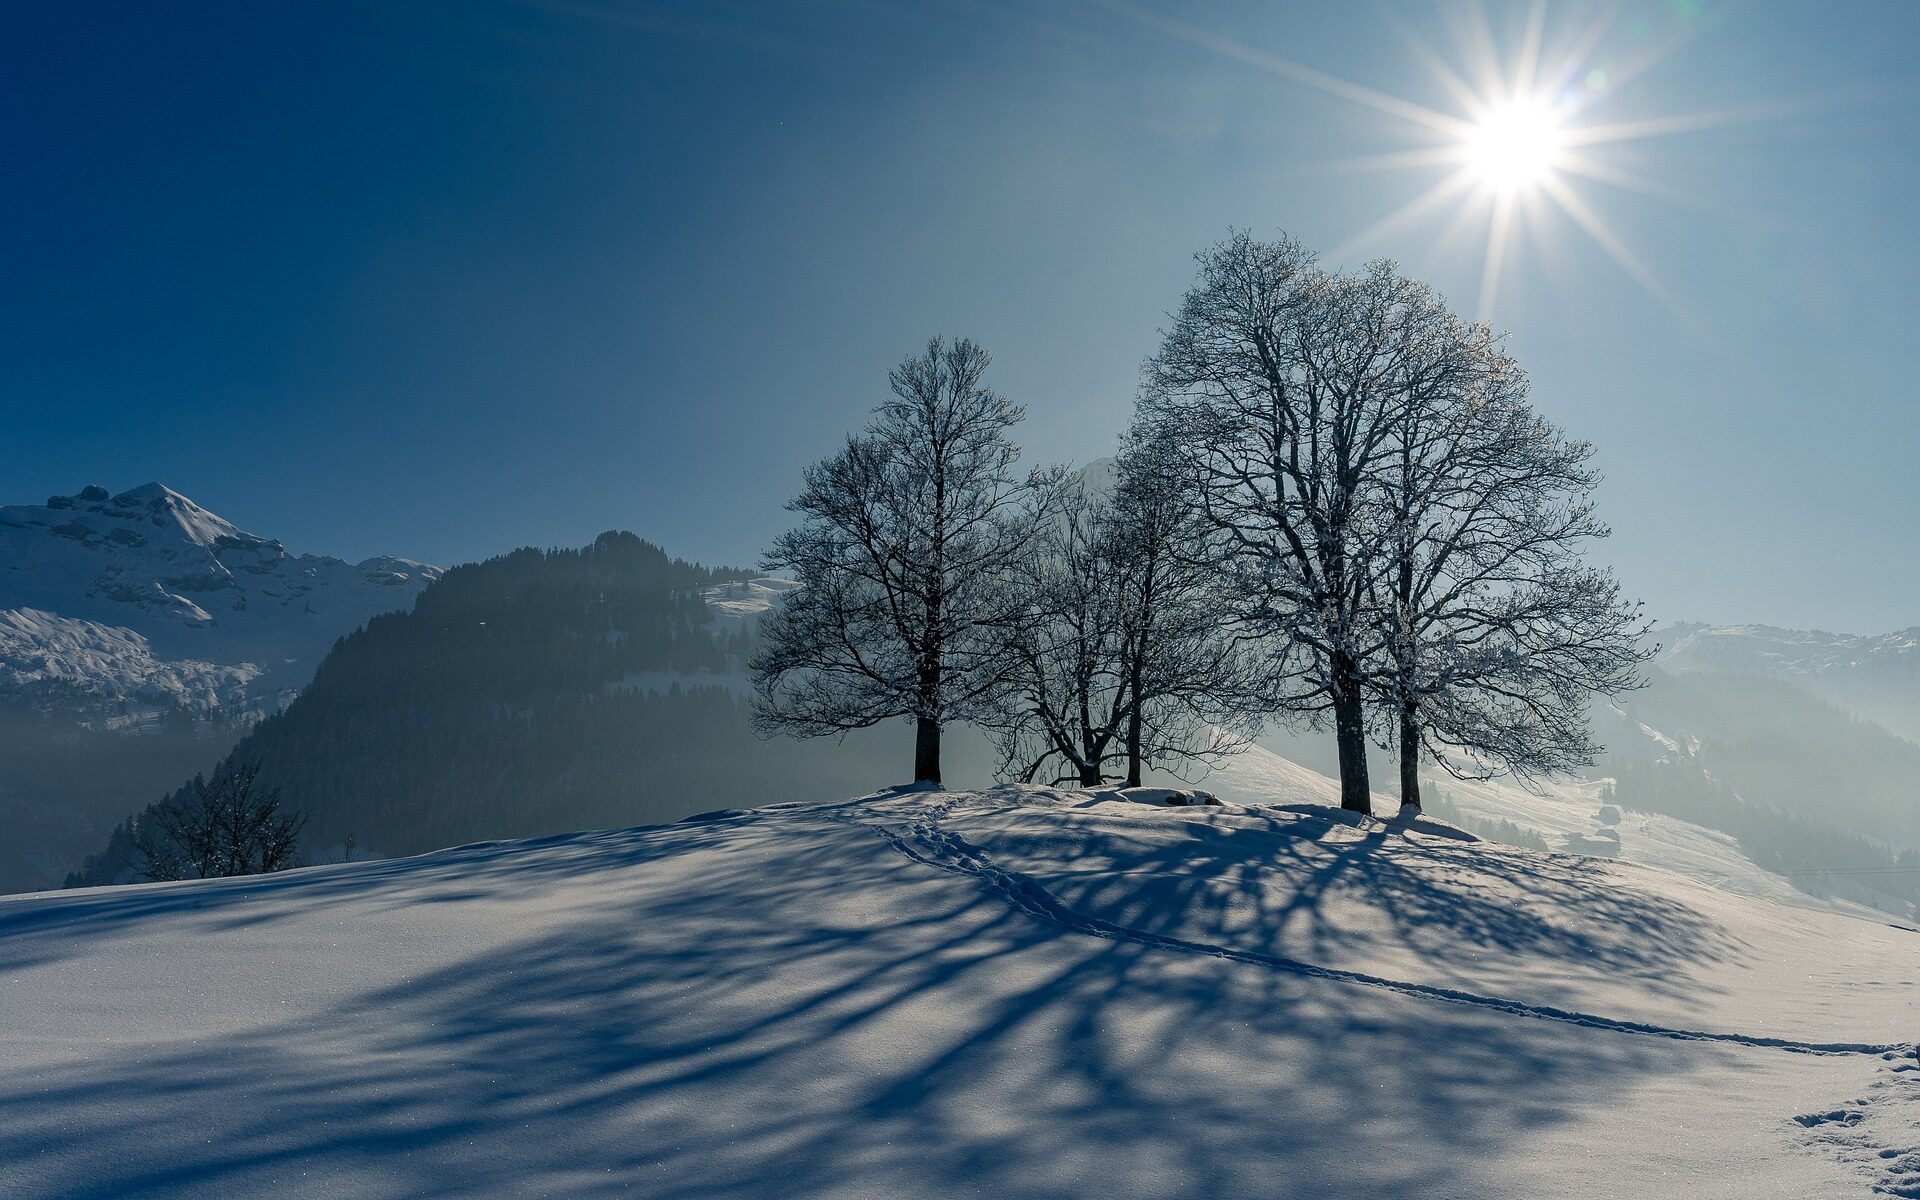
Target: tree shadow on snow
x=815, y=1015
x=1270, y=882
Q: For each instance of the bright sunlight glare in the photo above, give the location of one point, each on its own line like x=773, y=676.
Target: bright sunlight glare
x=1516, y=146
x=1521, y=146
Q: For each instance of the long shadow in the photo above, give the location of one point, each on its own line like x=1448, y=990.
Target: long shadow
x=804, y=1013
x=45, y=927
x=1272, y=881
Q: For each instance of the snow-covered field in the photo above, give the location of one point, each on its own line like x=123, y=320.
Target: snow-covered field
x=1019, y=993
x=1565, y=812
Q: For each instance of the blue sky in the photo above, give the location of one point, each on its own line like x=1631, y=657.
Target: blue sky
x=441, y=280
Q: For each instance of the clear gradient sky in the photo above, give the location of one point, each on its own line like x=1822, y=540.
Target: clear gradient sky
x=443, y=279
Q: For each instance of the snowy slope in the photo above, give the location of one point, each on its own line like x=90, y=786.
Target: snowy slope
x=1566, y=813
x=1018, y=993
x=744, y=603
x=112, y=603
x=53, y=661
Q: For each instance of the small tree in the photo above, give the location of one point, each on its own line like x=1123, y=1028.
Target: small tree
x=1066, y=695
x=217, y=828
x=1185, y=675
x=1119, y=656
x=905, y=553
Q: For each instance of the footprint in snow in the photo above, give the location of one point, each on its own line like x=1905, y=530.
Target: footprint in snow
x=1838, y=1116
x=1878, y=1132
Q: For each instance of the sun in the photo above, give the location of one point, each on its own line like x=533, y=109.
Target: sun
x=1517, y=146
x=1522, y=142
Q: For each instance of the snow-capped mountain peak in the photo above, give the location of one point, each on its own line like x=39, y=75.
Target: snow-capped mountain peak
x=160, y=506
x=145, y=594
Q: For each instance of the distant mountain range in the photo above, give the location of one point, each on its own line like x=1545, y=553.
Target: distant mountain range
x=1803, y=745
x=133, y=604
x=140, y=635
x=1874, y=676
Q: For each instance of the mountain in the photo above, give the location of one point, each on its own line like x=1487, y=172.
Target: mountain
x=540, y=692
x=1876, y=677
x=1809, y=788
x=140, y=635
x=1019, y=992
x=143, y=601
x=62, y=664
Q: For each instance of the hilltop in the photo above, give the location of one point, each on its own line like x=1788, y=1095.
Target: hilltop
x=1020, y=992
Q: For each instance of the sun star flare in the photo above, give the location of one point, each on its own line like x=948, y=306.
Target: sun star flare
x=1519, y=148
x=1516, y=146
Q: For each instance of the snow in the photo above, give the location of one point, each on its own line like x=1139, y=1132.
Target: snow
x=745, y=602
x=1565, y=812
x=1257, y=775
x=57, y=660
x=1570, y=808
x=1023, y=992
x=1162, y=797
x=112, y=602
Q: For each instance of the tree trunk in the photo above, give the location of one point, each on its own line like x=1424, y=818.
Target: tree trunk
x=1409, y=760
x=1137, y=669
x=1090, y=774
x=1349, y=727
x=1133, y=742
x=926, y=751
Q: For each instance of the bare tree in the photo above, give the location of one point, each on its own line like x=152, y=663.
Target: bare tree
x=905, y=552
x=1282, y=384
x=1067, y=692
x=223, y=827
x=1119, y=657
x=1185, y=677
x=1497, y=634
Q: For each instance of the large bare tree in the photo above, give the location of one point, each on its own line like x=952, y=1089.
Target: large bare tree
x=906, y=550
x=1282, y=384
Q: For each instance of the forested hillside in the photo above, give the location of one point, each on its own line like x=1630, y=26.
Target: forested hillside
x=1812, y=854
x=538, y=692
x=1811, y=791
x=1776, y=745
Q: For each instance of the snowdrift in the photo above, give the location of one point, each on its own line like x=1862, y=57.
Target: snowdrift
x=1021, y=992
